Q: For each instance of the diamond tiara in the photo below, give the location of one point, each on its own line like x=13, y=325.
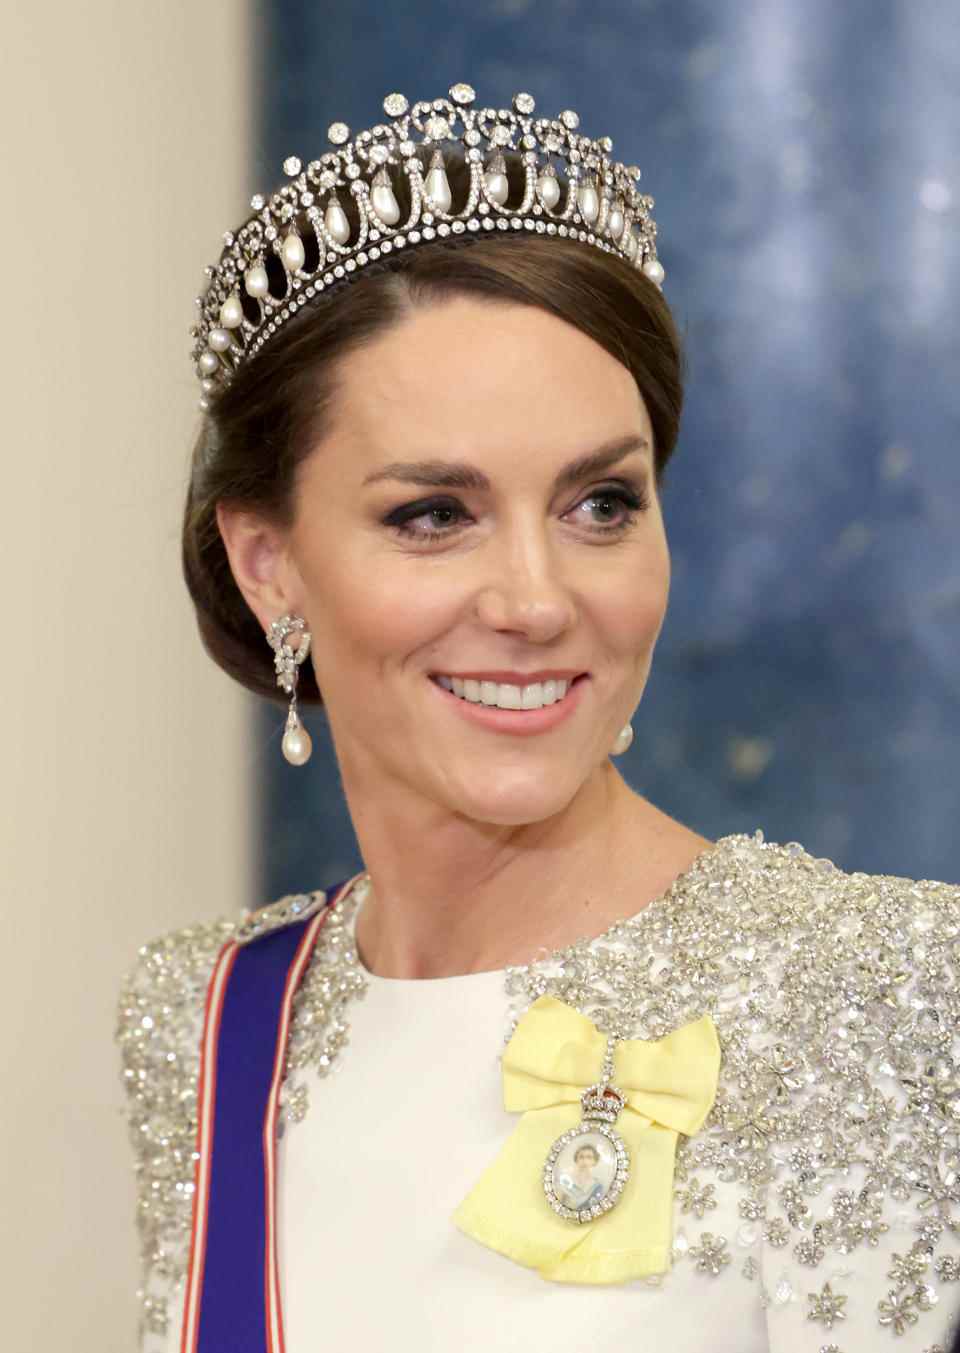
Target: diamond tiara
x=300, y=241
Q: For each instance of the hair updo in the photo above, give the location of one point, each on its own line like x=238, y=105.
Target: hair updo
x=277, y=407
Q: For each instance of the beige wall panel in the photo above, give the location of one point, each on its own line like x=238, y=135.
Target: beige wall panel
x=125, y=797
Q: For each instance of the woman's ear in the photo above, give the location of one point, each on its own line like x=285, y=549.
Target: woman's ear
x=260, y=563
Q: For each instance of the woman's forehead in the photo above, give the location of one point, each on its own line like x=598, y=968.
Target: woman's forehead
x=496, y=386
x=474, y=351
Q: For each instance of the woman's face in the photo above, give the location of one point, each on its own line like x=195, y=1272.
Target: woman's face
x=516, y=572
x=585, y=1159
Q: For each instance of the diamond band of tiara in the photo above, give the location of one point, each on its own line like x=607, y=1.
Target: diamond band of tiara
x=300, y=240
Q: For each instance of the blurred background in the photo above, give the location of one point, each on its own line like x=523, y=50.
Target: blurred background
x=805, y=160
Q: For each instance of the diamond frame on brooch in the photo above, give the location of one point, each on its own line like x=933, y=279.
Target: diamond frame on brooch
x=587, y=1127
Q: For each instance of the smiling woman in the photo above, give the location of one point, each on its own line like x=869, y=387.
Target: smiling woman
x=539, y=555
x=287, y=399
x=433, y=490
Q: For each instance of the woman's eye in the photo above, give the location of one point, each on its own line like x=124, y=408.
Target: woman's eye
x=441, y=517
x=437, y=514
x=631, y=503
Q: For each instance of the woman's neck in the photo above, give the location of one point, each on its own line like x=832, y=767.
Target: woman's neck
x=451, y=897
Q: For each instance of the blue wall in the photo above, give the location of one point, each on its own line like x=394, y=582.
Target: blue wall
x=805, y=160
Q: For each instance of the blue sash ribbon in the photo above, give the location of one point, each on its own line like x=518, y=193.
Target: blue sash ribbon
x=231, y=1240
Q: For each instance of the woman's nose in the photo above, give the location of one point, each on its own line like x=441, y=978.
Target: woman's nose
x=526, y=590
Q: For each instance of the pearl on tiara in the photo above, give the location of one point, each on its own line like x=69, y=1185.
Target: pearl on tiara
x=305, y=219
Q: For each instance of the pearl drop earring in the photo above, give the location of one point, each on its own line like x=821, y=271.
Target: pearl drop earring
x=623, y=740
x=296, y=745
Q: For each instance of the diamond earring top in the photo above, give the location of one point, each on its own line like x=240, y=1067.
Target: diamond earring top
x=300, y=240
x=297, y=744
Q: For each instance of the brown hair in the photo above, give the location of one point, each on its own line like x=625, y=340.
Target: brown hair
x=587, y=1146
x=278, y=406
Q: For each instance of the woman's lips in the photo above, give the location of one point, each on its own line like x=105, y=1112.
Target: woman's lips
x=518, y=722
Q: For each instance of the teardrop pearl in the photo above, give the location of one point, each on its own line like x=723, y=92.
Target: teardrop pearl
x=437, y=185
x=588, y=202
x=653, y=269
x=623, y=740
x=292, y=252
x=495, y=180
x=615, y=221
x=231, y=312
x=255, y=281
x=335, y=220
x=219, y=340
x=549, y=189
x=209, y=362
x=383, y=199
x=629, y=243
x=498, y=188
x=297, y=745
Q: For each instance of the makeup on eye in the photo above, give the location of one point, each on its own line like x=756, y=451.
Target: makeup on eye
x=632, y=496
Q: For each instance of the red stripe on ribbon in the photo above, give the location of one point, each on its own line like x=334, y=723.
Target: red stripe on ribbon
x=275, y=1341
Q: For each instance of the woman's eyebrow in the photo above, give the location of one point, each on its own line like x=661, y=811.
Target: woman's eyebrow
x=455, y=474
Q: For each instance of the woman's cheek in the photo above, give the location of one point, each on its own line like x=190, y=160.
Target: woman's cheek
x=374, y=606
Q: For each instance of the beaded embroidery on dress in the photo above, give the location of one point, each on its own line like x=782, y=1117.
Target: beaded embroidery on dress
x=837, y=1119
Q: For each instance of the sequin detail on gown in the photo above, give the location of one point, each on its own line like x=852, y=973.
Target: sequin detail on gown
x=837, y=1120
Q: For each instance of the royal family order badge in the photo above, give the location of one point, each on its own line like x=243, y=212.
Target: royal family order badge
x=588, y=1166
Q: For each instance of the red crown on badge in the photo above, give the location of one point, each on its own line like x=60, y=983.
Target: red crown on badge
x=602, y=1102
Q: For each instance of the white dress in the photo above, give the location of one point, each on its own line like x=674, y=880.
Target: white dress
x=812, y=1210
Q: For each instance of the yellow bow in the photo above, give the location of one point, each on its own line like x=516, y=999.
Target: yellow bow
x=554, y=1054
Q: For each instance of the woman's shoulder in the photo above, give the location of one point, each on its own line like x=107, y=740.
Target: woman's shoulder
x=162, y=997
x=161, y=1010
x=910, y=921
x=836, y=996
x=165, y=988
x=822, y=954
x=160, y=1014
x=160, y=1018
x=785, y=890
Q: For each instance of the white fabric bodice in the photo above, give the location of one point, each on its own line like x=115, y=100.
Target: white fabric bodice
x=392, y=1143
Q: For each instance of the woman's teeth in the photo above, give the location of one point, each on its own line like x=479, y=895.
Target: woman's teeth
x=505, y=697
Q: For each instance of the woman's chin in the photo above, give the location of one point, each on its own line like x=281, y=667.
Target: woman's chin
x=521, y=800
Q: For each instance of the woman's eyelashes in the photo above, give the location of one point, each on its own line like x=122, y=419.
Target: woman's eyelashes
x=448, y=513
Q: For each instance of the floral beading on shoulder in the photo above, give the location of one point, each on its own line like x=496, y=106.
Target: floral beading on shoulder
x=837, y=1119
x=159, y=1027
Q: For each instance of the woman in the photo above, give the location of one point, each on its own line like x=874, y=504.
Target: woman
x=580, y=1186
x=441, y=389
